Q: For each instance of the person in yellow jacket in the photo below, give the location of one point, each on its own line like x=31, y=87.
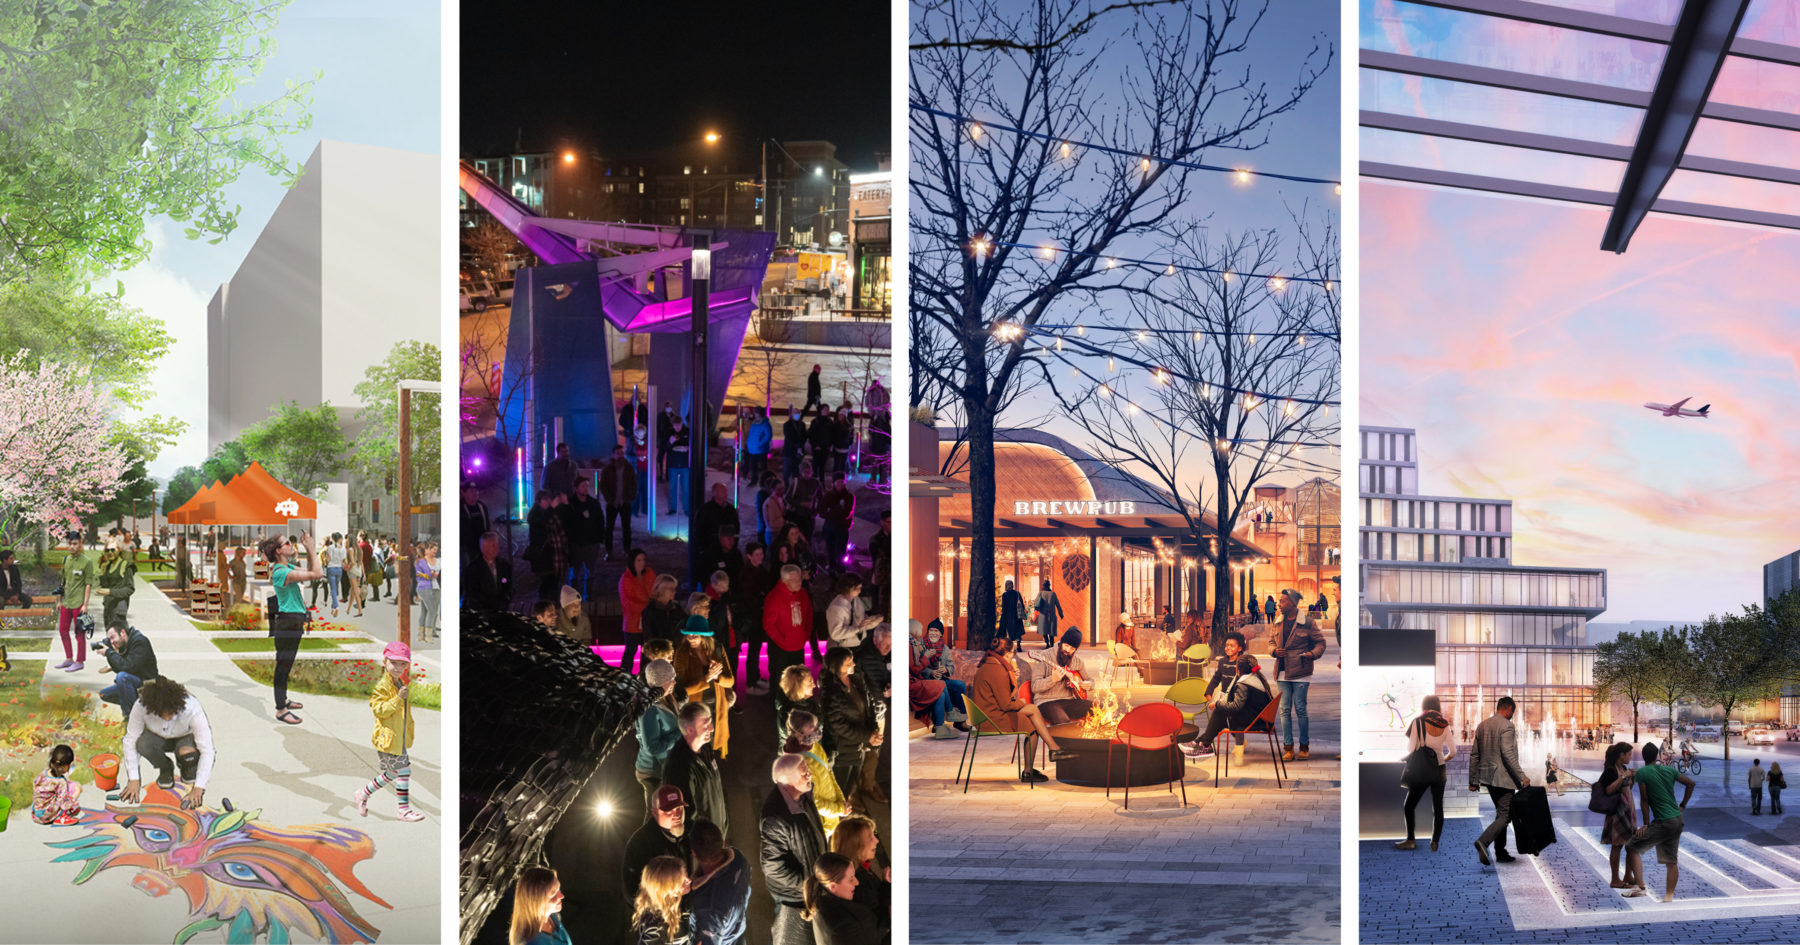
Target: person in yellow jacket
x=804, y=734
x=393, y=730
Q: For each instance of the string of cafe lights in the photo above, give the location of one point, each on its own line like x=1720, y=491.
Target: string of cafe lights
x=982, y=246
x=1013, y=332
x=1220, y=443
x=977, y=128
x=1142, y=333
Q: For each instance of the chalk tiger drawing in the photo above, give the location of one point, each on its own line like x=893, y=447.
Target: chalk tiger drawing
x=250, y=878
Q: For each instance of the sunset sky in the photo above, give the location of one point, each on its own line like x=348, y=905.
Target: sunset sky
x=1523, y=355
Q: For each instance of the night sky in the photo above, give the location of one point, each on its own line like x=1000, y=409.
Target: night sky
x=642, y=79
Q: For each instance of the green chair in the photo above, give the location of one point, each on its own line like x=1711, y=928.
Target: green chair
x=977, y=719
x=1195, y=655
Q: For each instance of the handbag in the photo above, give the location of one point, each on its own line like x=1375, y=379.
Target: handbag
x=1601, y=802
x=1420, y=764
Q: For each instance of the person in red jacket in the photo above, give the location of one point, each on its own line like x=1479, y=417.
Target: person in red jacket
x=634, y=595
x=787, y=621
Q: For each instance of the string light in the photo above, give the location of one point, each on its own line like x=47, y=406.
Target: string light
x=1243, y=175
x=1164, y=265
x=1067, y=149
x=981, y=246
x=1144, y=159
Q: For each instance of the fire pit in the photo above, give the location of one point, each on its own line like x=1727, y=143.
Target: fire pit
x=1136, y=766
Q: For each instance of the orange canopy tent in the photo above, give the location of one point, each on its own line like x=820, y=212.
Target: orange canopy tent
x=253, y=497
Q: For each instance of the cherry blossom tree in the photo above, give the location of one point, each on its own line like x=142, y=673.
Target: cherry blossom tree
x=58, y=460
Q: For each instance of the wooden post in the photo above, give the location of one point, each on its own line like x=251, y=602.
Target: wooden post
x=404, y=487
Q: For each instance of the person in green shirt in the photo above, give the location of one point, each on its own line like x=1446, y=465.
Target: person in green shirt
x=1661, y=816
x=289, y=622
x=79, y=576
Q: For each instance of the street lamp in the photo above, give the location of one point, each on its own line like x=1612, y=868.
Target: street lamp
x=568, y=157
x=712, y=137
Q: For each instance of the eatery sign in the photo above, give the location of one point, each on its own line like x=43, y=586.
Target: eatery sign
x=1074, y=508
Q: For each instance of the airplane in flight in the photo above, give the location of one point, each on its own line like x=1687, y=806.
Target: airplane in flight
x=1675, y=409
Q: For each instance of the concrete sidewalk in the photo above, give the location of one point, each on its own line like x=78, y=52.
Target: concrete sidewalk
x=295, y=775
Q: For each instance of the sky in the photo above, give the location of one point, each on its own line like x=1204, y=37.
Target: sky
x=639, y=78
x=381, y=65
x=1523, y=354
x=1303, y=142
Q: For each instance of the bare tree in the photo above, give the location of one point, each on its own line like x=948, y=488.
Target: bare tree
x=1229, y=381
x=984, y=199
x=493, y=246
x=488, y=399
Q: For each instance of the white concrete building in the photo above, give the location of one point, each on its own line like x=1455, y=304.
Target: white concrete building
x=349, y=265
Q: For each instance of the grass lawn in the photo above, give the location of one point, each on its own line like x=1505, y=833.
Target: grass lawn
x=267, y=644
x=32, y=721
x=26, y=644
x=350, y=678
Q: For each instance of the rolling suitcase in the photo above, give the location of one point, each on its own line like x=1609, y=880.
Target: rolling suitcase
x=1532, y=829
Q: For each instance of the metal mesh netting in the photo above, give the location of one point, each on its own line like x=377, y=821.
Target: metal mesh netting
x=539, y=714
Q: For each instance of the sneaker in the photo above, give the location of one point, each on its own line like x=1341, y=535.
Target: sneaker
x=75, y=667
x=1197, y=750
x=65, y=664
x=956, y=715
x=166, y=783
x=945, y=731
x=408, y=814
x=1634, y=892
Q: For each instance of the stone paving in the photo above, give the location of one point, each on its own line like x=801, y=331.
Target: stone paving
x=1005, y=863
x=1740, y=881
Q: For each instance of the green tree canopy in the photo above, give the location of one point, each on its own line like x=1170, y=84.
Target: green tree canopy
x=116, y=112
x=302, y=448
x=224, y=463
x=376, y=453
x=1673, y=673
x=135, y=486
x=1734, y=662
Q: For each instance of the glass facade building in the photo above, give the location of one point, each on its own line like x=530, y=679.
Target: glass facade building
x=1779, y=577
x=1444, y=563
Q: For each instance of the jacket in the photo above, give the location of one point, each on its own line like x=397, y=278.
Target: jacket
x=820, y=434
x=581, y=519
x=844, y=618
x=828, y=796
x=653, y=931
x=657, y=732
x=618, y=483
x=475, y=523
x=792, y=840
x=1304, y=643
x=995, y=690
x=484, y=590
x=793, y=436
x=634, y=596
x=697, y=775
x=559, y=477
x=784, y=705
x=137, y=658
x=1494, y=757
x=788, y=618
x=837, y=507
x=720, y=902
x=846, y=922
x=662, y=621
x=581, y=629
x=393, y=717
x=649, y=842
x=10, y=581
x=758, y=438
x=850, y=716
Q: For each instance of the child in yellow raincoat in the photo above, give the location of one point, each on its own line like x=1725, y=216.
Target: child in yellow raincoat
x=393, y=730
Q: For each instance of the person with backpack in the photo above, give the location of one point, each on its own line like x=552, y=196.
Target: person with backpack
x=1430, y=747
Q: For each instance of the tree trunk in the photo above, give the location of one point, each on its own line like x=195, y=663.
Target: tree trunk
x=1222, y=589
x=1634, y=721
x=1725, y=733
x=980, y=596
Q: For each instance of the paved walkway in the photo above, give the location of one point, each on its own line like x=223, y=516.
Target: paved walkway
x=1057, y=863
x=295, y=775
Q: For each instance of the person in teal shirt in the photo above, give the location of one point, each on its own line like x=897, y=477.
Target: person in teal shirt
x=288, y=624
x=80, y=576
x=1662, y=816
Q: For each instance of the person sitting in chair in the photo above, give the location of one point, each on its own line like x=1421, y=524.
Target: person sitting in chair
x=1238, y=692
x=12, y=587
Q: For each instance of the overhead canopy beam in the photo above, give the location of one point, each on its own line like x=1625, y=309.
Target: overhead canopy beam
x=1518, y=188
x=1562, y=88
x=1697, y=52
x=1556, y=144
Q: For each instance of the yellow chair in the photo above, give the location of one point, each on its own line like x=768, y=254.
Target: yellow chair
x=977, y=719
x=1189, y=692
x=1195, y=655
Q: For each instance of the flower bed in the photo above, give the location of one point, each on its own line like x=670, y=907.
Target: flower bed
x=32, y=720
x=350, y=678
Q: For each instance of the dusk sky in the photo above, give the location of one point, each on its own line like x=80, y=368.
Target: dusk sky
x=1523, y=355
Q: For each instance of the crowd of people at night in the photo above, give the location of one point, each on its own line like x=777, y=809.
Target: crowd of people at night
x=783, y=619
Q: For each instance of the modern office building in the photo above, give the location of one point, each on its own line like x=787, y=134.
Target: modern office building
x=871, y=243
x=1779, y=577
x=1444, y=563
x=328, y=289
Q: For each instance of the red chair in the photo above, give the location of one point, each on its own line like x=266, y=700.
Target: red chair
x=1149, y=727
x=1265, y=719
